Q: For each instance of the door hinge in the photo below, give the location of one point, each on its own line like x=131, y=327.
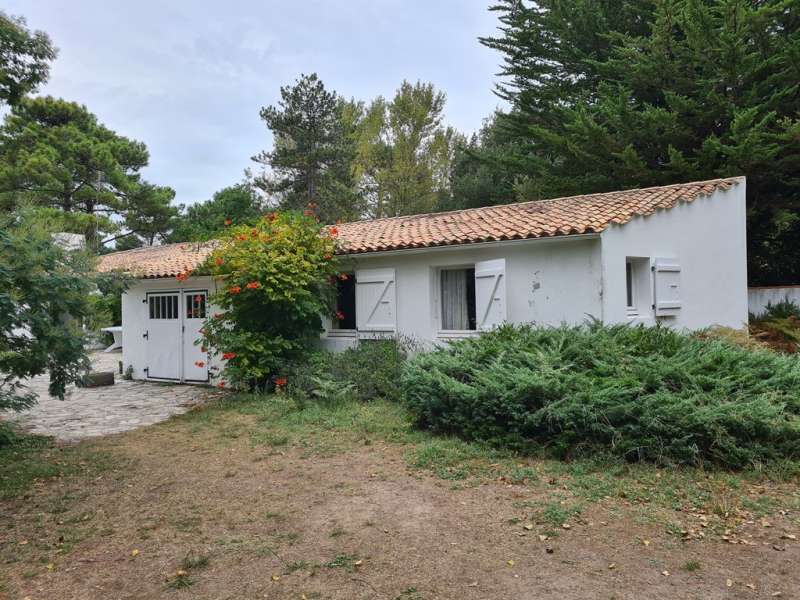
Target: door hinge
x=147, y=370
x=146, y=335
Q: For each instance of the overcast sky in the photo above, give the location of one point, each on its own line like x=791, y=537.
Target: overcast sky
x=188, y=78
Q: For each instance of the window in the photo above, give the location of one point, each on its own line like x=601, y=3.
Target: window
x=458, y=299
x=163, y=307
x=345, y=302
x=638, y=287
x=629, y=283
x=195, y=306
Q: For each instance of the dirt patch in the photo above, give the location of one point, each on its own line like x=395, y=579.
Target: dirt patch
x=211, y=510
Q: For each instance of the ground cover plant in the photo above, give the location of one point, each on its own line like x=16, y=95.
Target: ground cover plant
x=778, y=326
x=639, y=393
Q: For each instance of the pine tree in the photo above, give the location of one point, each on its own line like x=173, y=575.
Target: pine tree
x=310, y=161
x=614, y=94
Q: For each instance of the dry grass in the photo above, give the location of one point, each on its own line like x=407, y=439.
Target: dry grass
x=257, y=499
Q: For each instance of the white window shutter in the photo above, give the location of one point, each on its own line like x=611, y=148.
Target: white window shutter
x=667, y=274
x=490, y=293
x=375, y=300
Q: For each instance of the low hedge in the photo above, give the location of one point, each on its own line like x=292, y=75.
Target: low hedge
x=642, y=393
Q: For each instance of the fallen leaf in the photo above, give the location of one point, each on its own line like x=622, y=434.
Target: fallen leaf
x=566, y=526
x=788, y=536
x=729, y=582
x=134, y=552
x=543, y=538
x=473, y=584
x=665, y=573
x=612, y=566
x=750, y=586
x=528, y=527
x=358, y=563
x=646, y=542
x=510, y=563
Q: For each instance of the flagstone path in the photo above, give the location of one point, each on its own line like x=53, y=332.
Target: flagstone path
x=91, y=412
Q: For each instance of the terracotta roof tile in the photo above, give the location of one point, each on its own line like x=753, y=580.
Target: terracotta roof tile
x=575, y=215
x=157, y=261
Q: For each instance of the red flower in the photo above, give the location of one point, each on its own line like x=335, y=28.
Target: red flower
x=328, y=256
x=270, y=216
x=340, y=315
x=218, y=261
x=280, y=381
x=308, y=213
x=199, y=363
x=253, y=285
x=334, y=230
x=242, y=238
x=228, y=355
x=218, y=315
x=343, y=276
x=254, y=232
x=221, y=384
x=234, y=290
x=183, y=276
x=228, y=221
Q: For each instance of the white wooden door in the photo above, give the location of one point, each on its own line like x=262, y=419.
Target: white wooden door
x=195, y=360
x=164, y=339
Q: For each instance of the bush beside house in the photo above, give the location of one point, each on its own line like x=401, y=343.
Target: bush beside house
x=276, y=280
x=640, y=393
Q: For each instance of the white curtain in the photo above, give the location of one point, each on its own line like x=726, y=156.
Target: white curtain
x=455, y=314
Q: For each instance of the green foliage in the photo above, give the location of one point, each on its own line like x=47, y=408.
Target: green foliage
x=277, y=276
x=367, y=372
x=309, y=163
x=640, y=393
x=614, y=95
x=25, y=58
x=778, y=326
x=234, y=205
x=55, y=154
x=404, y=152
x=44, y=293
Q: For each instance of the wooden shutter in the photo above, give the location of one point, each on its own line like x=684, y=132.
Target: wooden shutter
x=490, y=293
x=375, y=300
x=667, y=275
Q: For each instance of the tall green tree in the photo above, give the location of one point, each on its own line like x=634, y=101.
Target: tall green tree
x=44, y=292
x=405, y=153
x=55, y=153
x=310, y=161
x=619, y=94
x=234, y=205
x=25, y=58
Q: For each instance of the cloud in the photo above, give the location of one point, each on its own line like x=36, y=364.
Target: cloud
x=188, y=78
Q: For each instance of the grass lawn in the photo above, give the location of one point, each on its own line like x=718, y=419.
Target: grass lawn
x=255, y=498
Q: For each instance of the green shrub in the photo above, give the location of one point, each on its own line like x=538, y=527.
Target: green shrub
x=642, y=393
x=278, y=281
x=778, y=326
x=365, y=372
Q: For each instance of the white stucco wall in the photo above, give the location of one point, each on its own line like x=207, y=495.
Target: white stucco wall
x=759, y=297
x=708, y=238
x=134, y=317
x=547, y=282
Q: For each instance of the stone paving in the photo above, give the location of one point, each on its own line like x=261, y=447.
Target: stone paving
x=91, y=412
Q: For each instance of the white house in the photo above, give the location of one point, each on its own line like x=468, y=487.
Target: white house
x=673, y=254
